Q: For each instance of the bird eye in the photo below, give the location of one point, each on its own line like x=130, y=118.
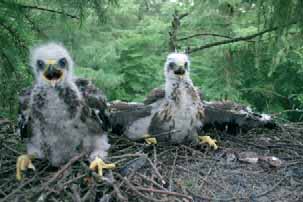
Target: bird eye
x=171, y=65
x=186, y=65
x=40, y=64
x=62, y=62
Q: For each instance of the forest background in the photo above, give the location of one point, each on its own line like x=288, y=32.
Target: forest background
x=248, y=51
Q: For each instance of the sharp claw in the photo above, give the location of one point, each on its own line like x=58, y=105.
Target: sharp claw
x=150, y=140
x=31, y=166
x=208, y=140
x=24, y=162
x=98, y=164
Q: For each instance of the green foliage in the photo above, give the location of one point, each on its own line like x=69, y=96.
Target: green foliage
x=121, y=46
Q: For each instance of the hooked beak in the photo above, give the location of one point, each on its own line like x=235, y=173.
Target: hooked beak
x=52, y=74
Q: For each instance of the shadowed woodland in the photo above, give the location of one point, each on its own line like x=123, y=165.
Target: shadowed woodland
x=245, y=51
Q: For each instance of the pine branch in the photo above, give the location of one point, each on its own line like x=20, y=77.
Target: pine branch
x=35, y=27
x=48, y=10
x=22, y=6
x=234, y=40
x=7, y=59
x=15, y=36
x=203, y=34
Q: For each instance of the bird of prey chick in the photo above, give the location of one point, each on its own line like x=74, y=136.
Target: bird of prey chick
x=61, y=116
x=177, y=117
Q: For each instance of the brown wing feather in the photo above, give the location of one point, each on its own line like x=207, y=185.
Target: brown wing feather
x=24, y=126
x=221, y=115
x=155, y=95
x=159, y=93
x=95, y=101
x=232, y=117
x=122, y=114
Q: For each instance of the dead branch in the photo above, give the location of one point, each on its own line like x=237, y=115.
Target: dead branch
x=165, y=192
x=64, y=168
x=135, y=189
x=175, y=24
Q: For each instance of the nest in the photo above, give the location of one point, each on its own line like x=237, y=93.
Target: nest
x=167, y=172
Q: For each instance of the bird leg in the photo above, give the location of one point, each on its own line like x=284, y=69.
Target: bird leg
x=98, y=165
x=208, y=140
x=149, y=139
x=24, y=162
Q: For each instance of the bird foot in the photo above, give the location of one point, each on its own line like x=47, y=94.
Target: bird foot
x=150, y=140
x=98, y=165
x=24, y=162
x=208, y=140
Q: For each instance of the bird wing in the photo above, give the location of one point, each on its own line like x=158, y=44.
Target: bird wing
x=159, y=93
x=24, y=126
x=221, y=114
x=154, y=96
x=230, y=116
x=95, y=102
x=123, y=114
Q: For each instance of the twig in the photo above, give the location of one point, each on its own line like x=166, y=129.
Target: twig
x=116, y=187
x=205, y=179
x=156, y=171
x=64, y=168
x=233, y=40
x=175, y=24
x=132, y=187
x=76, y=197
x=11, y=149
x=23, y=185
x=150, y=180
x=128, y=155
x=173, y=170
x=165, y=192
x=47, y=10
x=203, y=34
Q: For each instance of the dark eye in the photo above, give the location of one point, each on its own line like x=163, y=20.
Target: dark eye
x=171, y=65
x=62, y=62
x=186, y=65
x=40, y=64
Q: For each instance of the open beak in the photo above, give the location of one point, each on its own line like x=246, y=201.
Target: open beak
x=180, y=72
x=52, y=74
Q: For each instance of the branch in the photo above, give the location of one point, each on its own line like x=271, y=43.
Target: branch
x=203, y=34
x=61, y=171
x=175, y=24
x=7, y=59
x=35, y=27
x=183, y=15
x=40, y=8
x=189, y=198
x=15, y=36
x=48, y=10
x=233, y=40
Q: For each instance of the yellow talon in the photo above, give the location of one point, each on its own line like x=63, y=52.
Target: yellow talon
x=24, y=162
x=150, y=140
x=98, y=164
x=208, y=140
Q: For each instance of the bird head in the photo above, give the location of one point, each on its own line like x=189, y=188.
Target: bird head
x=52, y=64
x=177, y=66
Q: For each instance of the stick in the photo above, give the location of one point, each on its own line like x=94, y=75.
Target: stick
x=64, y=168
x=132, y=187
x=165, y=192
